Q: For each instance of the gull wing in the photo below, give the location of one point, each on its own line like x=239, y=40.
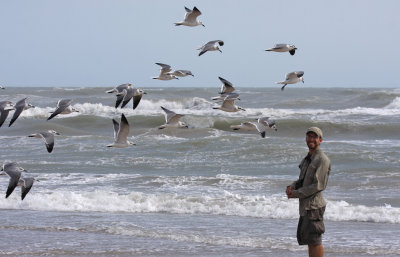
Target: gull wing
x=260, y=128
x=136, y=100
x=3, y=112
x=14, y=178
x=26, y=186
x=61, y=106
x=192, y=15
x=128, y=96
x=48, y=139
x=226, y=87
x=164, y=68
x=168, y=114
x=228, y=103
x=123, y=131
x=116, y=129
x=19, y=107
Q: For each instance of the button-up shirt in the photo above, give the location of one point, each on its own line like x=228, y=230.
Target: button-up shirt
x=315, y=171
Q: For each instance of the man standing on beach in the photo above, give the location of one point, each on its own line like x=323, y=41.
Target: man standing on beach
x=314, y=172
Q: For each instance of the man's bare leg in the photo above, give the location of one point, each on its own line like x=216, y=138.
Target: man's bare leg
x=315, y=251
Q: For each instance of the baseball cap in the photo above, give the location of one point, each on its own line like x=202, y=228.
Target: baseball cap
x=316, y=130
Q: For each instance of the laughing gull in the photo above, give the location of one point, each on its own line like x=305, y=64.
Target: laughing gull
x=121, y=132
x=211, y=46
x=226, y=89
x=5, y=108
x=292, y=78
x=164, y=72
x=267, y=122
x=283, y=48
x=119, y=93
x=228, y=104
x=63, y=107
x=191, y=18
x=181, y=73
x=48, y=138
x=131, y=93
x=172, y=120
x=14, y=172
x=250, y=126
x=19, y=107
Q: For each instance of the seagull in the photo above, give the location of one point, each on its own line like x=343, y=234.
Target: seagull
x=211, y=46
x=164, y=72
x=191, y=18
x=172, y=120
x=26, y=185
x=292, y=78
x=250, y=126
x=63, y=107
x=228, y=104
x=19, y=107
x=283, y=48
x=226, y=89
x=14, y=172
x=121, y=132
x=119, y=93
x=130, y=93
x=181, y=73
x=5, y=108
x=267, y=123
x=48, y=138
x=1, y=87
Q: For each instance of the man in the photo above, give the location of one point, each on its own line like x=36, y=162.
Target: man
x=314, y=172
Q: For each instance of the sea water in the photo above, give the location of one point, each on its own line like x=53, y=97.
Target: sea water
x=205, y=190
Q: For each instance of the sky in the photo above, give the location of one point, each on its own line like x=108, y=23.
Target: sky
x=103, y=43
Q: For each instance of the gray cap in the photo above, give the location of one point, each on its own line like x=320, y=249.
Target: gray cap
x=316, y=130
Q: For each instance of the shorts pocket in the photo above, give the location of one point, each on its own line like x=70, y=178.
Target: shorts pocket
x=315, y=217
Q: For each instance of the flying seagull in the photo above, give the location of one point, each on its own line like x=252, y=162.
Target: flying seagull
x=211, y=46
x=48, y=138
x=131, y=93
x=26, y=185
x=172, y=120
x=191, y=18
x=267, y=122
x=292, y=78
x=121, y=132
x=228, y=104
x=164, y=72
x=226, y=89
x=19, y=107
x=14, y=172
x=250, y=126
x=119, y=93
x=181, y=73
x=5, y=108
x=63, y=107
x=283, y=48
x=1, y=87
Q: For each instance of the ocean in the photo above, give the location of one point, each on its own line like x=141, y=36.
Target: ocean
x=205, y=190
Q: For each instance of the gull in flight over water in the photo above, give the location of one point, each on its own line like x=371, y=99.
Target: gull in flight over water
x=292, y=78
x=5, y=108
x=119, y=93
x=121, y=132
x=181, y=73
x=26, y=185
x=250, y=126
x=20, y=106
x=283, y=48
x=131, y=93
x=228, y=104
x=48, y=138
x=211, y=46
x=226, y=89
x=63, y=107
x=172, y=120
x=14, y=172
x=165, y=72
x=191, y=18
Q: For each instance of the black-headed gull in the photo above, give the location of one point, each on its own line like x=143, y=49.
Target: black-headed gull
x=191, y=18
x=292, y=78
x=283, y=48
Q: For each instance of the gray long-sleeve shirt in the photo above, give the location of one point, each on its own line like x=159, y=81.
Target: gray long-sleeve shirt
x=315, y=174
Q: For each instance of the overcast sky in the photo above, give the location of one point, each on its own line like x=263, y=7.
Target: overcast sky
x=90, y=43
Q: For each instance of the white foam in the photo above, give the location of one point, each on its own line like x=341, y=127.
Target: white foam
x=275, y=206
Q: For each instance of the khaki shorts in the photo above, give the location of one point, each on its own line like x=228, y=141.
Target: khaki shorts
x=311, y=227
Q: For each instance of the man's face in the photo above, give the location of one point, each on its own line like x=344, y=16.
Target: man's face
x=313, y=140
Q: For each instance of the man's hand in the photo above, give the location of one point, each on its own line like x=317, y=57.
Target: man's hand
x=290, y=192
